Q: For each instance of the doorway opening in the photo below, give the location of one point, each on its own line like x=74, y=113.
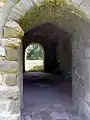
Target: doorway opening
x=56, y=53
x=34, y=58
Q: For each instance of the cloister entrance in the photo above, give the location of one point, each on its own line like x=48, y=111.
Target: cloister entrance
x=62, y=28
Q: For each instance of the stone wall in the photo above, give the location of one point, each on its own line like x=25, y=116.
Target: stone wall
x=10, y=72
x=65, y=55
x=81, y=70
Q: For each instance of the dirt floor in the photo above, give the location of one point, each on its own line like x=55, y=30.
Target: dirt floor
x=47, y=97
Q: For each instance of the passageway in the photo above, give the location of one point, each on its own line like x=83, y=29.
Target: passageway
x=48, y=94
x=56, y=43
x=47, y=97
x=62, y=28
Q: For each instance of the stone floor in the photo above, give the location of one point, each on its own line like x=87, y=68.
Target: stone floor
x=47, y=100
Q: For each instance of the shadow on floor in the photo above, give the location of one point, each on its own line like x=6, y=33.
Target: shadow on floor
x=52, y=80
x=47, y=97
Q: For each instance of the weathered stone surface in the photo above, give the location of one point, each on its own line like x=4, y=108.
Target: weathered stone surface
x=11, y=106
x=16, y=106
x=10, y=42
x=2, y=51
x=7, y=92
x=87, y=53
x=11, y=53
x=87, y=111
x=1, y=79
x=9, y=79
x=87, y=97
x=8, y=116
x=81, y=64
x=2, y=58
x=9, y=66
x=6, y=106
x=12, y=29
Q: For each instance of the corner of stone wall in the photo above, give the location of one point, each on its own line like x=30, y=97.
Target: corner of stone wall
x=10, y=71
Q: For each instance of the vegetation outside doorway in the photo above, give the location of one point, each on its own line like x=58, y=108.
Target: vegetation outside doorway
x=34, y=58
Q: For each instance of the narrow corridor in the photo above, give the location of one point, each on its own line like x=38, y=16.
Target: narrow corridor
x=45, y=100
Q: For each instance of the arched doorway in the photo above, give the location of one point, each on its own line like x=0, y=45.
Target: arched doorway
x=47, y=37
x=34, y=58
x=78, y=28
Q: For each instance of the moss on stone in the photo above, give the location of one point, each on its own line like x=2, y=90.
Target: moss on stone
x=57, y=12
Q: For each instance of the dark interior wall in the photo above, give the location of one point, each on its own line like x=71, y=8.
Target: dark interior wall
x=50, y=58
x=49, y=37
x=65, y=55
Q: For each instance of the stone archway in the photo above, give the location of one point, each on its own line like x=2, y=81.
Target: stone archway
x=49, y=36
x=11, y=70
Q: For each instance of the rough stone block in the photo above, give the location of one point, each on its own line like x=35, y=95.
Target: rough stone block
x=83, y=68
x=1, y=79
x=87, y=97
x=82, y=81
x=2, y=51
x=9, y=66
x=11, y=106
x=81, y=107
x=9, y=79
x=77, y=2
x=87, y=110
x=87, y=53
x=8, y=92
x=12, y=29
x=81, y=91
x=10, y=42
x=16, y=106
x=8, y=116
x=2, y=58
x=11, y=53
x=5, y=106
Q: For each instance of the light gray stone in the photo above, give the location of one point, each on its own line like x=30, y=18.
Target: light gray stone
x=87, y=97
x=2, y=51
x=1, y=79
x=10, y=42
x=8, y=116
x=12, y=29
x=10, y=106
x=4, y=105
x=87, y=109
x=16, y=106
x=8, y=92
x=9, y=66
x=11, y=53
x=9, y=79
